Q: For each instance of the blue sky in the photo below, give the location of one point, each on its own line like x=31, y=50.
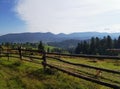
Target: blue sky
x=59, y=16
x=9, y=21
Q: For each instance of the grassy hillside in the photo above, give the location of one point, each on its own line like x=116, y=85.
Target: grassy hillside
x=16, y=74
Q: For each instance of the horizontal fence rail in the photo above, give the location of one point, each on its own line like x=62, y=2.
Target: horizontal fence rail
x=73, y=55
x=86, y=78
x=32, y=57
x=83, y=65
x=44, y=55
x=87, y=56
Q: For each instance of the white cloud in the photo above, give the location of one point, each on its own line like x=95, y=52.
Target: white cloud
x=69, y=15
x=115, y=28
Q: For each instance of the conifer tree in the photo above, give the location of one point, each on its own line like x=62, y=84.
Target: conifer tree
x=41, y=47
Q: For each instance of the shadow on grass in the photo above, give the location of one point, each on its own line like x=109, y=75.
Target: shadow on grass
x=41, y=74
x=12, y=66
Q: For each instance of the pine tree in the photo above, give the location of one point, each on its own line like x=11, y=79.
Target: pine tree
x=92, y=46
x=85, y=47
x=77, y=49
x=41, y=47
x=97, y=44
x=109, y=42
x=118, y=43
x=115, y=43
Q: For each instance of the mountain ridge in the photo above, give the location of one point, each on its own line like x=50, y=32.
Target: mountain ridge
x=50, y=37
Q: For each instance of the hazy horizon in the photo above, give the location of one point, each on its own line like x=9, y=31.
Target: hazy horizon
x=60, y=33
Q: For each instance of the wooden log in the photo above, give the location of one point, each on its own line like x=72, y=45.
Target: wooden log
x=20, y=52
x=87, y=66
x=86, y=78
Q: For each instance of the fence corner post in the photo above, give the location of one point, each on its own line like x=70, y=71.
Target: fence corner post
x=44, y=60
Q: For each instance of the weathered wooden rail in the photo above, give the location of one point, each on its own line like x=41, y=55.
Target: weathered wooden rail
x=87, y=66
x=46, y=55
x=85, y=77
x=72, y=55
x=88, y=56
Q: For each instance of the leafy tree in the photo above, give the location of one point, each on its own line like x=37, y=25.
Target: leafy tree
x=48, y=50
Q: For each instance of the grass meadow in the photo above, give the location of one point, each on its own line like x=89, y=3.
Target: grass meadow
x=16, y=74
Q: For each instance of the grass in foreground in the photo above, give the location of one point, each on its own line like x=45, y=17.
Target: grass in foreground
x=15, y=74
x=112, y=64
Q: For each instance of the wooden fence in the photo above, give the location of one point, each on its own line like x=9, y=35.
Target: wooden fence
x=45, y=56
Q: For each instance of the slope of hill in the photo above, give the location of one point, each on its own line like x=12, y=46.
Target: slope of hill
x=50, y=37
x=65, y=44
x=28, y=37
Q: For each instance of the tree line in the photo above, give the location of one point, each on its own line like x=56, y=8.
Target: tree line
x=36, y=46
x=94, y=46
x=98, y=46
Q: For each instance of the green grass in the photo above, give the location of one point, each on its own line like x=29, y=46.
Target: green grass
x=107, y=64
x=16, y=74
x=50, y=47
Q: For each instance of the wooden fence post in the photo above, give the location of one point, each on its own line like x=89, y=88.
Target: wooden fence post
x=8, y=54
x=20, y=52
x=30, y=56
x=44, y=60
x=1, y=49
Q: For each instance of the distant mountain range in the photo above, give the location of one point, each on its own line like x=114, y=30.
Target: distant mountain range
x=50, y=37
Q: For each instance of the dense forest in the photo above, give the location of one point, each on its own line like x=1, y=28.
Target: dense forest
x=98, y=46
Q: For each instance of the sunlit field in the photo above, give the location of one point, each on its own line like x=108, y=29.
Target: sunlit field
x=27, y=75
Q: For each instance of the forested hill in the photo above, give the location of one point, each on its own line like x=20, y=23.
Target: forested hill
x=66, y=44
x=50, y=37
